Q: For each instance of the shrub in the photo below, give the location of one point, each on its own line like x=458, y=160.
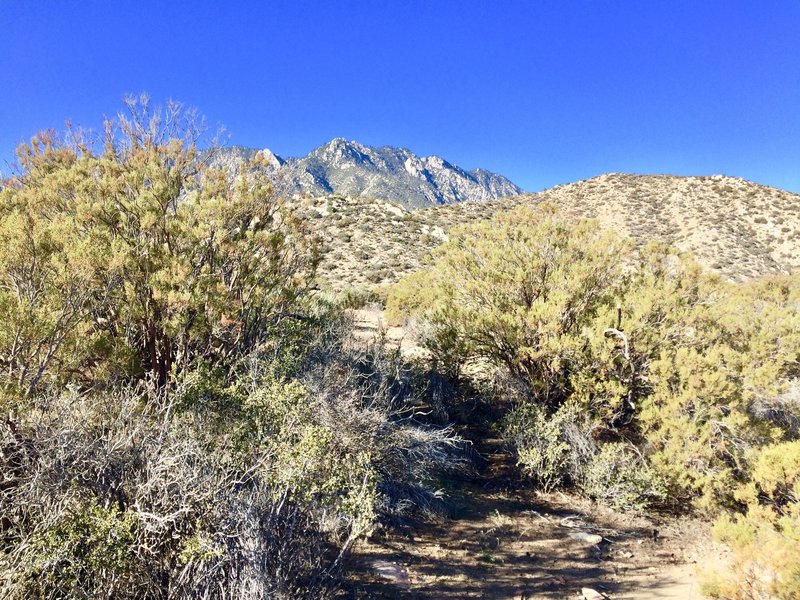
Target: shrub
x=558, y=449
x=519, y=292
x=365, y=396
x=140, y=258
x=552, y=449
x=361, y=297
x=644, y=343
x=766, y=540
x=619, y=476
x=181, y=419
x=254, y=480
x=110, y=498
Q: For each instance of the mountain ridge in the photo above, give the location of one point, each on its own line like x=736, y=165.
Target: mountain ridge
x=389, y=173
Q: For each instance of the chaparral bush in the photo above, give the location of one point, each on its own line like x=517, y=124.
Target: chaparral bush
x=182, y=417
x=139, y=258
x=766, y=539
x=640, y=344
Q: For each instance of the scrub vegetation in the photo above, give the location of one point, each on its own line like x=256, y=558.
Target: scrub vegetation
x=181, y=416
x=638, y=378
x=184, y=413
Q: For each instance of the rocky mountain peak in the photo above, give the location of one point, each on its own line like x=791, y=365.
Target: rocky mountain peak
x=349, y=168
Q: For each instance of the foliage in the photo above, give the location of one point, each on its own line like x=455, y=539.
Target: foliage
x=88, y=541
x=618, y=476
x=558, y=449
x=360, y=297
x=184, y=418
x=517, y=291
x=239, y=481
x=110, y=496
x=641, y=342
x=719, y=385
x=766, y=540
x=139, y=258
x=367, y=397
x=553, y=449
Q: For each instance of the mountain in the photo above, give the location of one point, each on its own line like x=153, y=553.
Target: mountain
x=737, y=228
x=398, y=175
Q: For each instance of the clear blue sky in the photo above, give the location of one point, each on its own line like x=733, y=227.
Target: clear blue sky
x=543, y=92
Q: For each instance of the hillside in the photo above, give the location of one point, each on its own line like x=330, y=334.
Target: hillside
x=735, y=227
x=395, y=174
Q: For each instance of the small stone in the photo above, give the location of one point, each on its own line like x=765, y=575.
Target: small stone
x=391, y=571
x=591, y=594
x=589, y=538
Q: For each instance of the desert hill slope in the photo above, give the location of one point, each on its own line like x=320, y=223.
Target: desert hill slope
x=735, y=227
x=349, y=168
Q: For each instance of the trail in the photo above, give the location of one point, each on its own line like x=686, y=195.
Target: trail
x=501, y=540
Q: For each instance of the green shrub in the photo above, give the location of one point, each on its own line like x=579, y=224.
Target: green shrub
x=641, y=342
x=181, y=418
x=88, y=547
x=619, y=476
x=356, y=298
x=766, y=540
x=553, y=449
x=139, y=258
x=519, y=292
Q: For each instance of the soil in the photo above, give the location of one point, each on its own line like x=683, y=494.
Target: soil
x=498, y=538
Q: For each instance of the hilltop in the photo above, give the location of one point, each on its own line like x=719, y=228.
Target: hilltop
x=738, y=228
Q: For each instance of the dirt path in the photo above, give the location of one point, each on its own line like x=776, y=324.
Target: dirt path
x=501, y=540
x=513, y=543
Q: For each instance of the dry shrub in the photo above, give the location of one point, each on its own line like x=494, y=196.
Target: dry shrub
x=554, y=449
x=618, y=475
x=253, y=482
x=766, y=540
x=378, y=404
x=112, y=497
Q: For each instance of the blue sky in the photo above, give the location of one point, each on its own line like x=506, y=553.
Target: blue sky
x=543, y=92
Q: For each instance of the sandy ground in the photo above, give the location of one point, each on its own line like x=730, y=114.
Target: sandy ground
x=516, y=544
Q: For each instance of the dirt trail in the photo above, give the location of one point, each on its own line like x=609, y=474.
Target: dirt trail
x=507, y=542
x=501, y=540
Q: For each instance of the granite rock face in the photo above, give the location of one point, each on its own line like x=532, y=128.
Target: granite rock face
x=395, y=174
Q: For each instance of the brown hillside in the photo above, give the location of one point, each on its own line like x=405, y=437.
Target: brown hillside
x=738, y=228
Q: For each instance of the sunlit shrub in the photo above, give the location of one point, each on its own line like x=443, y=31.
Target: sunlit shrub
x=138, y=258
x=553, y=449
x=766, y=540
x=641, y=343
x=619, y=476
